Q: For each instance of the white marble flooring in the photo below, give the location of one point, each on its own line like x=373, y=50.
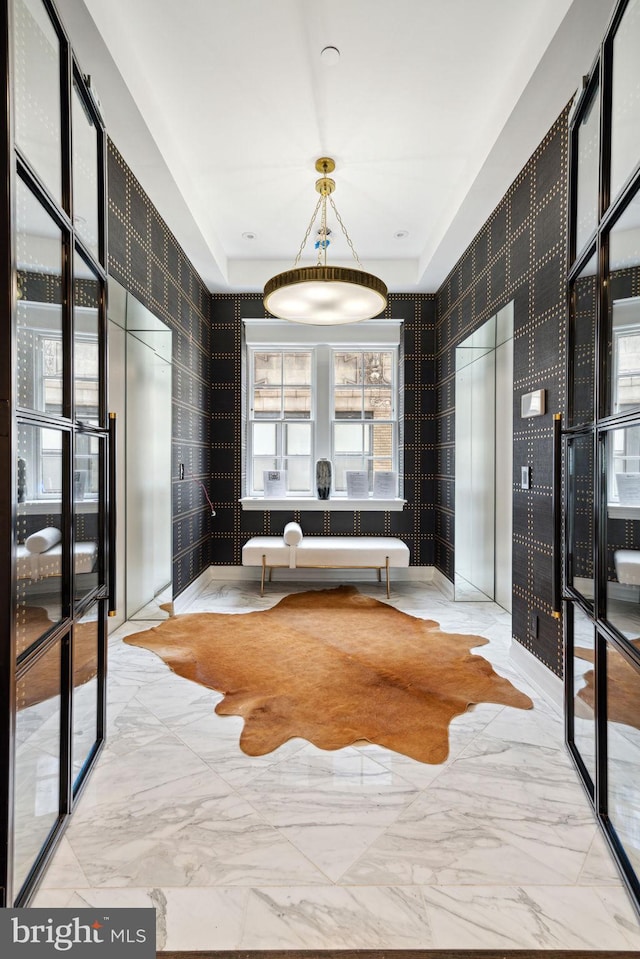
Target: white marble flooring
x=358, y=848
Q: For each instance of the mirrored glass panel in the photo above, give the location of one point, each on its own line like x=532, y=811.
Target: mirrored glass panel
x=86, y=512
x=86, y=635
x=622, y=554
x=37, y=762
x=588, y=134
x=86, y=347
x=584, y=727
x=37, y=92
x=39, y=307
x=624, y=310
x=623, y=751
x=39, y=600
x=85, y=173
x=625, y=106
x=580, y=518
x=584, y=296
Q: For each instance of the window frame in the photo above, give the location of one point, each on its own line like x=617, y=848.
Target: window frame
x=284, y=338
x=281, y=422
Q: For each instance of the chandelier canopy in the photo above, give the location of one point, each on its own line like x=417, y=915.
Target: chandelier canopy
x=325, y=295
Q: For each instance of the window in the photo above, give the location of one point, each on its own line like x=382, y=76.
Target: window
x=305, y=401
x=363, y=413
x=281, y=418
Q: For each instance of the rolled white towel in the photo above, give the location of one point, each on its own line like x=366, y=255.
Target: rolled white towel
x=43, y=540
x=292, y=534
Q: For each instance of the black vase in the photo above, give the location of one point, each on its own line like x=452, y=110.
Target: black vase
x=323, y=478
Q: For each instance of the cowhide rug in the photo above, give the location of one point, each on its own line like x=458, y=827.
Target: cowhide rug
x=333, y=667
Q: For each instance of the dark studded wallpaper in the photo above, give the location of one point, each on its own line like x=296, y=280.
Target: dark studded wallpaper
x=233, y=526
x=147, y=260
x=519, y=254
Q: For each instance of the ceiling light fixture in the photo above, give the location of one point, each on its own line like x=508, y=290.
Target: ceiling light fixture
x=325, y=295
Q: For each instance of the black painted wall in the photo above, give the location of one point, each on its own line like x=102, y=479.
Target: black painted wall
x=519, y=254
x=232, y=526
x=147, y=260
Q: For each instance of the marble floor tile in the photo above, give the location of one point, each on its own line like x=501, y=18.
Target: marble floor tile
x=356, y=848
x=599, y=868
x=186, y=918
x=335, y=918
x=501, y=813
x=194, y=830
x=65, y=872
x=176, y=701
x=330, y=805
x=524, y=917
x=622, y=914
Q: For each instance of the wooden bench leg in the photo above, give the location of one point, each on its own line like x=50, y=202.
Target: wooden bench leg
x=262, y=577
x=379, y=574
x=387, y=568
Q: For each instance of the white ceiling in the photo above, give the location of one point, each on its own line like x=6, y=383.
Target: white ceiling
x=221, y=108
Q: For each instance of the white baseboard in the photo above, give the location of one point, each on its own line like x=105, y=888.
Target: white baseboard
x=539, y=675
x=192, y=591
x=443, y=584
x=406, y=574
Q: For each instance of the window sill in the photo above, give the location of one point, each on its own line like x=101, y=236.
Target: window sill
x=330, y=505
x=618, y=511
x=44, y=507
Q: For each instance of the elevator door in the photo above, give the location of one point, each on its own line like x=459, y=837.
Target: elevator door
x=140, y=389
x=484, y=462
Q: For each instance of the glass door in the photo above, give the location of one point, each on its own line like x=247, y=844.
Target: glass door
x=602, y=443
x=54, y=554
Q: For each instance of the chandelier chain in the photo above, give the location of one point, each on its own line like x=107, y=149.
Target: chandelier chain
x=344, y=230
x=323, y=243
x=306, y=236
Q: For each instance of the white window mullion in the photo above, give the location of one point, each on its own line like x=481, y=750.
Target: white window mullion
x=324, y=406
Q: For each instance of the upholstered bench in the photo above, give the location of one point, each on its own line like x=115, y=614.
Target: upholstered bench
x=627, y=563
x=295, y=551
x=41, y=555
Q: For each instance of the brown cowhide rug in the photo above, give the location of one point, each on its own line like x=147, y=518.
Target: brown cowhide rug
x=623, y=701
x=333, y=667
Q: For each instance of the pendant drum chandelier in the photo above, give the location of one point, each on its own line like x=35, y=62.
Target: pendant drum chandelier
x=325, y=295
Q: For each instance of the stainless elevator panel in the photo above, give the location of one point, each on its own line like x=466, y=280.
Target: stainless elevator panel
x=140, y=348
x=483, y=462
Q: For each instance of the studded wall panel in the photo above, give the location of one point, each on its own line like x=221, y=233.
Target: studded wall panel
x=519, y=254
x=146, y=258
x=232, y=526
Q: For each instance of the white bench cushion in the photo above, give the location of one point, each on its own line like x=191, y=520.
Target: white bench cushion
x=333, y=551
x=351, y=551
x=627, y=563
x=273, y=548
x=38, y=565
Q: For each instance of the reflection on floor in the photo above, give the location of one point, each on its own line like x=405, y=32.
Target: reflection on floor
x=156, y=608
x=358, y=848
